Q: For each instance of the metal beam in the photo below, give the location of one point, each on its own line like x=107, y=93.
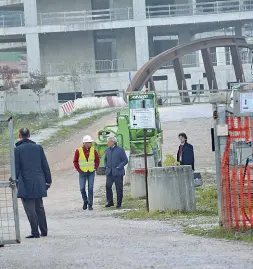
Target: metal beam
x=237, y=63
x=210, y=74
x=150, y=85
x=181, y=82
x=144, y=73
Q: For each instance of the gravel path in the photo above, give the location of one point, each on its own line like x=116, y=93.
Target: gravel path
x=96, y=240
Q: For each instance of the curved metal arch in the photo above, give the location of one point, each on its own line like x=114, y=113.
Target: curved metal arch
x=145, y=73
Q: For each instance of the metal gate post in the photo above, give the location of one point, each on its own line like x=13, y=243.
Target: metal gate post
x=218, y=163
x=13, y=180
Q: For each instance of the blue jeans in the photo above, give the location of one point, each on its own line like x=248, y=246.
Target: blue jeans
x=83, y=177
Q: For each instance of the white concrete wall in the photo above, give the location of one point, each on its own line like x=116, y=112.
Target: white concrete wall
x=45, y=6
x=62, y=47
x=120, y=80
x=25, y=102
x=126, y=47
x=122, y=3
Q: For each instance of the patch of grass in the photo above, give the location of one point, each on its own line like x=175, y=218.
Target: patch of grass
x=81, y=111
x=206, y=206
x=207, y=201
x=246, y=236
x=67, y=131
x=32, y=121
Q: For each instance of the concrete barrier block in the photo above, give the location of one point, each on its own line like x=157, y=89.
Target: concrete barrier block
x=137, y=162
x=171, y=188
x=138, y=184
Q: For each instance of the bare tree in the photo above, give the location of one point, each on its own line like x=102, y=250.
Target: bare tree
x=72, y=71
x=37, y=83
x=10, y=85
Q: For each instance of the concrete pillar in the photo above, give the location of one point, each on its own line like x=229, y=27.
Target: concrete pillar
x=171, y=188
x=184, y=37
x=138, y=184
x=238, y=29
x=136, y=174
x=139, y=9
x=194, y=9
x=33, y=52
x=221, y=56
x=30, y=10
x=141, y=44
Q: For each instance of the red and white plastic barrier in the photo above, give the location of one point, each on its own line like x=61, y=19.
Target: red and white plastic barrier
x=68, y=107
x=99, y=102
x=92, y=103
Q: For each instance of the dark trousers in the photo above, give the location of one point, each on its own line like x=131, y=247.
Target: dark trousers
x=119, y=188
x=36, y=215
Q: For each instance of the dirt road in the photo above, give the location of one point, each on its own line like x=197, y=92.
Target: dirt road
x=94, y=240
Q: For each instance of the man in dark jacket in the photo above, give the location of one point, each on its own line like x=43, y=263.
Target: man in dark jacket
x=115, y=161
x=33, y=180
x=185, y=154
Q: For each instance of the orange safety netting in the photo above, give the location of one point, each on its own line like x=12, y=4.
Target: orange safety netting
x=237, y=180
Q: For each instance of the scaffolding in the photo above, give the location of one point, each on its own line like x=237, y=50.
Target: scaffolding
x=9, y=218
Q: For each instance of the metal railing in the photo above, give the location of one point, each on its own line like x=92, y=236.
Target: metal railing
x=12, y=19
x=16, y=18
x=188, y=60
x=10, y=2
x=176, y=97
x=218, y=58
x=221, y=32
x=81, y=17
x=214, y=7
x=86, y=67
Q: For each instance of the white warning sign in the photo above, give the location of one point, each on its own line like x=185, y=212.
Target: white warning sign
x=142, y=118
x=246, y=102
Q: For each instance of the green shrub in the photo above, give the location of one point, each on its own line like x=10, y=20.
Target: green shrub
x=170, y=161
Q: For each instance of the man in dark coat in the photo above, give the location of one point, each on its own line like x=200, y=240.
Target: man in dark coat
x=33, y=180
x=185, y=154
x=115, y=161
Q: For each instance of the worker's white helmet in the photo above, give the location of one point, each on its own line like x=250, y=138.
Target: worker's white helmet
x=87, y=139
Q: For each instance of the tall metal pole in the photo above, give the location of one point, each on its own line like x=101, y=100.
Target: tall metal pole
x=146, y=167
x=218, y=163
x=13, y=180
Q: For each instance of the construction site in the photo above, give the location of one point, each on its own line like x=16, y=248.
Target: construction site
x=173, y=215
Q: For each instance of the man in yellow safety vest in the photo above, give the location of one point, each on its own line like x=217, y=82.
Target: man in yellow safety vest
x=86, y=162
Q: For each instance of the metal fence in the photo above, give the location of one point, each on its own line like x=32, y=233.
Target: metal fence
x=86, y=67
x=180, y=97
x=12, y=19
x=10, y=2
x=9, y=219
x=16, y=18
x=119, y=65
x=81, y=17
x=202, y=8
x=218, y=58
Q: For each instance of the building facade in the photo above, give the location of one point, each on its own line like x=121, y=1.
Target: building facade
x=106, y=39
